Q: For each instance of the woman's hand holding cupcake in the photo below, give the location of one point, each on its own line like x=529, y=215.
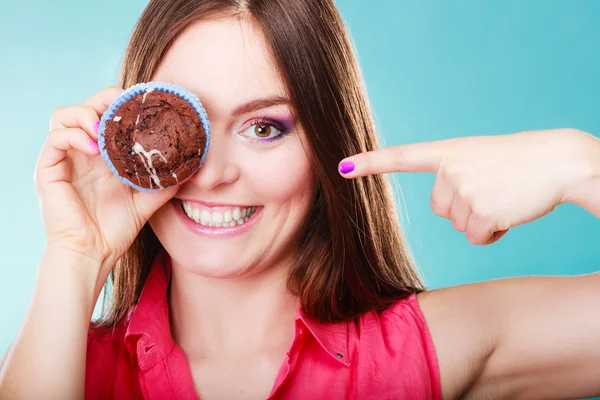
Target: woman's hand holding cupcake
x=108, y=164
x=87, y=211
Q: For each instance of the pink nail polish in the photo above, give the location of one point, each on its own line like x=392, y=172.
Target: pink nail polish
x=96, y=126
x=93, y=145
x=347, y=167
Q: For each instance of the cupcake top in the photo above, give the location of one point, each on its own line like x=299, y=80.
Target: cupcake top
x=154, y=139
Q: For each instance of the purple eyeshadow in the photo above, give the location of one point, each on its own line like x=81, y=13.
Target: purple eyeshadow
x=284, y=126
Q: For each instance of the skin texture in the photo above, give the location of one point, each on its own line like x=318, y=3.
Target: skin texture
x=275, y=175
x=228, y=295
x=513, y=338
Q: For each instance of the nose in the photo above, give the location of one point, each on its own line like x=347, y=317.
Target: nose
x=219, y=167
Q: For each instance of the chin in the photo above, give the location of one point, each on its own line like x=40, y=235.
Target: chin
x=208, y=263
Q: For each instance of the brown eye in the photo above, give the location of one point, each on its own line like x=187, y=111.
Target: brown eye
x=262, y=130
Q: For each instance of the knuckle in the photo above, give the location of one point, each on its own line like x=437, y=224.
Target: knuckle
x=40, y=177
x=436, y=207
x=466, y=194
x=86, y=108
x=502, y=225
x=52, y=136
x=112, y=92
x=452, y=172
x=56, y=113
x=89, y=111
x=480, y=213
x=81, y=109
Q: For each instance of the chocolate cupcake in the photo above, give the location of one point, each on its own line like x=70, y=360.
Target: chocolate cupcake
x=154, y=136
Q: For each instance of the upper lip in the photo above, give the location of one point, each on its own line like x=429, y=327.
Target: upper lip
x=214, y=204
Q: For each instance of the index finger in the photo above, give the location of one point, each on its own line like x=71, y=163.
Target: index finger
x=414, y=157
x=87, y=115
x=103, y=99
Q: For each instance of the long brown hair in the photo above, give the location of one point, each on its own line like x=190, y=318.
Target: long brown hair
x=353, y=256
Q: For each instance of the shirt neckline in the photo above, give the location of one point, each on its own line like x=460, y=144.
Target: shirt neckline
x=148, y=335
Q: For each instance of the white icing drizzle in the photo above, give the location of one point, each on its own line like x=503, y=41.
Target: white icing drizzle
x=175, y=176
x=146, y=157
x=137, y=120
x=146, y=94
x=136, y=173
x=117, y=118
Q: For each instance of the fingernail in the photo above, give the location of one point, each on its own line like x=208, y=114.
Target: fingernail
x=96, y=126
x=346, y=167
x=93, y=145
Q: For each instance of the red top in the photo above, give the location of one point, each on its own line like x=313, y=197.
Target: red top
x=380, y=356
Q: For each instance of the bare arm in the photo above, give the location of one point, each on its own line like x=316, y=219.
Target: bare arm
x=90, y=218
x=50, y=348
x=529, y=338
x=3, y=360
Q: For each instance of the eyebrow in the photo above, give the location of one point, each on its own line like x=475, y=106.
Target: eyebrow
x=259, y=104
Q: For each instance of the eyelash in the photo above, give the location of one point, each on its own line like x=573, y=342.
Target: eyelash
x=275, y=124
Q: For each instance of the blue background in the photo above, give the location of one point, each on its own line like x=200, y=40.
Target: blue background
x=434, y=70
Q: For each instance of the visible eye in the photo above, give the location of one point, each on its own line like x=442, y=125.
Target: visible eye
x=265, y=130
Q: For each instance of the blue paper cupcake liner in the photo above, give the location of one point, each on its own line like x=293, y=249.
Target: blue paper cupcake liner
x=147, y=87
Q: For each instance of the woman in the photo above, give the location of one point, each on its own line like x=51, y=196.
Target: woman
x=317, y=297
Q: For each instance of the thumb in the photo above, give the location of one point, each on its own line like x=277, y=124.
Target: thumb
x=147, y=203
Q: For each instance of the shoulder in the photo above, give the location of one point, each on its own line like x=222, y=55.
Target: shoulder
x=461, y=321
x=396, y=346
x=407, y=309
x=404, y=324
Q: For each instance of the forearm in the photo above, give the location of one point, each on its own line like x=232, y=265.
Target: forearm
x=47, y=359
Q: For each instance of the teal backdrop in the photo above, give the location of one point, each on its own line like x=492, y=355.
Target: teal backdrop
x=434, y=70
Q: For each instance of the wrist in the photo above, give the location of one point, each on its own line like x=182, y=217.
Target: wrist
x=60, y=256
x=60, y=265
x=584, y=188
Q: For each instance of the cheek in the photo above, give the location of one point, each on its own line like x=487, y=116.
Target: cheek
x=282, y=175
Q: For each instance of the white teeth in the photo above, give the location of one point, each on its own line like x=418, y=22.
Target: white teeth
x=218, y=219
x=205, y=218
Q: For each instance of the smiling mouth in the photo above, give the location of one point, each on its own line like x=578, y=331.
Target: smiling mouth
x=222, y=218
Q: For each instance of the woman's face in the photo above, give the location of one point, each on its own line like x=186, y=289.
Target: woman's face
x=256, y=159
